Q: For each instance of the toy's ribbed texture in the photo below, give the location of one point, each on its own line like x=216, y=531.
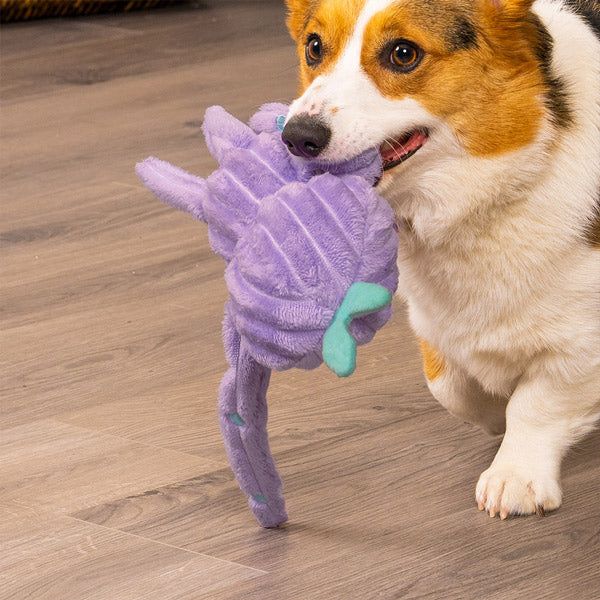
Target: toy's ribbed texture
x=296, y=236
x=291, y=271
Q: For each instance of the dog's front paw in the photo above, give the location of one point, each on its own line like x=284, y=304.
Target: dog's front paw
x=508, y=490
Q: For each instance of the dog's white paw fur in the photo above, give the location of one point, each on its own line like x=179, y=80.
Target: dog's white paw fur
x=506, y=490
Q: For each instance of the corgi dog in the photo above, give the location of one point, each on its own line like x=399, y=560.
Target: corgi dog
x=487, y=116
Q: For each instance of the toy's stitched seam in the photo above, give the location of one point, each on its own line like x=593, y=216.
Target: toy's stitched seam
x=266, y=164
x=308, y=235
x=339, y=224
x=289, y=306
x=240, y=185
x=283, y=255
x=364, y=235
x=273, y=347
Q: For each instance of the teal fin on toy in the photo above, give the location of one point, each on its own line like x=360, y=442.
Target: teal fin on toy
x=339, y=347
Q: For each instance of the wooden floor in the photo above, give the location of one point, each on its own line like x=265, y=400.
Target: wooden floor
x=113, y=481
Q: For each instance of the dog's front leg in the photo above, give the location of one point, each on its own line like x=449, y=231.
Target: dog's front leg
x=543, y=418
x=462, y=396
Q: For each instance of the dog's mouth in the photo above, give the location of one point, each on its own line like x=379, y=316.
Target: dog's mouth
x=396, y=150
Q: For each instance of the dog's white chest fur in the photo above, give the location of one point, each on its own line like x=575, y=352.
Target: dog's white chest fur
x=493, y=265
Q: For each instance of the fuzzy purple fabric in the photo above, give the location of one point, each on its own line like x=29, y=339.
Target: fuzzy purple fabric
x=296, y=235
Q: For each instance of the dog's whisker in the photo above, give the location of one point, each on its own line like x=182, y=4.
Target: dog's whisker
x=394, y=148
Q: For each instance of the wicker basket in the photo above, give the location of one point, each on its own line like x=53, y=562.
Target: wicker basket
x=23, y=10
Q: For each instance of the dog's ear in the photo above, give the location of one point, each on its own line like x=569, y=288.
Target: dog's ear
x=510, y=24
x=298, y=12
x=506, y=9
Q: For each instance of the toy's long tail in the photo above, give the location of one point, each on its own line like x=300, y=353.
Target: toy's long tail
x=243, y=418
x=174, y=186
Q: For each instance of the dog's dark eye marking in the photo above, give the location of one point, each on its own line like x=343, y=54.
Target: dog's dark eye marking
x=401, y=56
x=313, y=50
x=462, y=35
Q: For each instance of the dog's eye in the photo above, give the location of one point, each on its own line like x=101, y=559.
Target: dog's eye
x=314, y=50
x=404, y=56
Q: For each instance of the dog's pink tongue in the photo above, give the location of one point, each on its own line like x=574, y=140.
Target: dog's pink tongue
x=393, y=151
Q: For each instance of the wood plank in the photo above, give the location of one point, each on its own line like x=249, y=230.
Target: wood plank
x=47, y=558
x=305, y=407
x=54, y=466
x=384, y=514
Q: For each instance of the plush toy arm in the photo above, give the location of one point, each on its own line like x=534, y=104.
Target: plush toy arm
x=174, y=186
x=243, y=419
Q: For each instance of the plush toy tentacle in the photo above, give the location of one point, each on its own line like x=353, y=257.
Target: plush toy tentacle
x=174, y=186
x=223, y=132
x=243, y=419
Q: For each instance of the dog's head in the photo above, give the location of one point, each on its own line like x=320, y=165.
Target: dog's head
x=423, y=80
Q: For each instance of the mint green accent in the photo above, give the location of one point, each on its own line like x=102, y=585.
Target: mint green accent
x=259, y=498
x=339, y=347
x=236, y=419
x=280, y=120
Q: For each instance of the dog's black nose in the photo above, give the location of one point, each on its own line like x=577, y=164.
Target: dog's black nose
x=305, y=136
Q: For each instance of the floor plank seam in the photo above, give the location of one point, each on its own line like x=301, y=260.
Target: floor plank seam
x=141, y=537
x=131, y=186
x=218, y=466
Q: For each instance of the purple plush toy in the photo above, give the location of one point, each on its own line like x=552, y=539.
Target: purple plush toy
x=311, y=252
